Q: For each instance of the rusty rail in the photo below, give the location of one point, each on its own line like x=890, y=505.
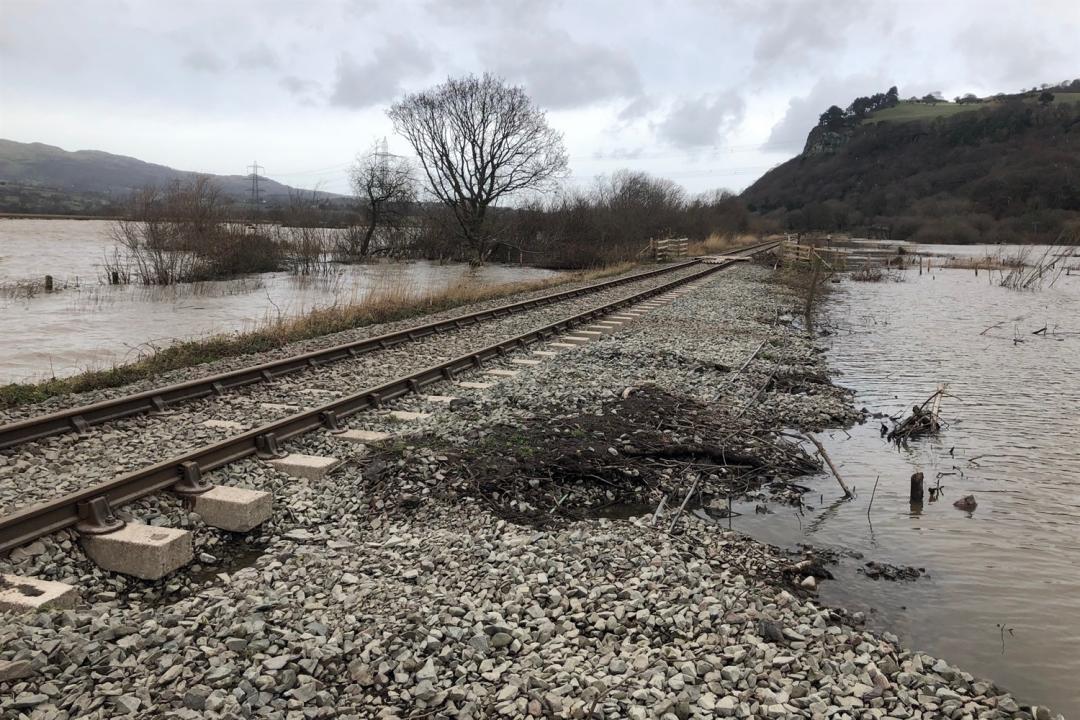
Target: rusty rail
x=27, y=524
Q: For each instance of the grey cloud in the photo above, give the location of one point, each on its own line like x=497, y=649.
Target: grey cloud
x=361, y=8
x=795, y=35
x=514, y=13
x=203, y=61
x=702, y=121
x=636, y=109
x=560, y=72
x=986, y=49
x=258, y=57
x=803, y=112
x=298, y=86
x=620, y=153
x=360, y=85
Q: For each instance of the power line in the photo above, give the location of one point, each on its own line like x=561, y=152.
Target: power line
x=254, y=167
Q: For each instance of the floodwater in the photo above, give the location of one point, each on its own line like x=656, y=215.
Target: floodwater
x=1002, y=594
x=88, y=324
x=863, y=251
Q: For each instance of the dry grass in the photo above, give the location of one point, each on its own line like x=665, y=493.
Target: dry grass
x=717, y=244
x=388, y=303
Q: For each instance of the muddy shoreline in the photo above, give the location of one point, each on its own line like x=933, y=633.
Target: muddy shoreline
x=461, y=570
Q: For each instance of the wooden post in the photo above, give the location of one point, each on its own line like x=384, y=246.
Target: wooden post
x=48, y=283
x=917, y=489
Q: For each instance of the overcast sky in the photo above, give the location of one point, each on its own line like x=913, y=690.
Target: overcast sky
x=709, y=93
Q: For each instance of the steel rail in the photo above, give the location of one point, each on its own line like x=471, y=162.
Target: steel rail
x=27, y=524
x=80, y=418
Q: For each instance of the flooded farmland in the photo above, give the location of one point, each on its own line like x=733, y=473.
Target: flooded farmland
x=1001, y=593
x=88, y=324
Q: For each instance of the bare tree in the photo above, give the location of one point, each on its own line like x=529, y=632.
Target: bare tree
x=385, y=188
x=302, y=236
x=479, y=140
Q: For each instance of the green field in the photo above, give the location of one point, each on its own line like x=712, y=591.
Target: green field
x=907, y=111
x=1066, y=97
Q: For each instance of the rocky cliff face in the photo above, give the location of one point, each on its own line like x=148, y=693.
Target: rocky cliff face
x=822, y=141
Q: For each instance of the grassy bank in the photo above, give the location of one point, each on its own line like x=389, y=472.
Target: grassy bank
x=387, y=304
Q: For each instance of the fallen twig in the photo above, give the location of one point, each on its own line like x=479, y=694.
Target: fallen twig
x=829, y=462
x=686, y=500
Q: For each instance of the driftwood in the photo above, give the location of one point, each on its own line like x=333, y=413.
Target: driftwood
x=829, y=462
x=923, y=420
x=679, y=512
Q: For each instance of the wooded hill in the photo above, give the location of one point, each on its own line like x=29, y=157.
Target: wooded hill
x=1001, y=169
x=39, y=178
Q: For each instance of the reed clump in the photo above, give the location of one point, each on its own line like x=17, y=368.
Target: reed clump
x=392, y=301
x=717, y=243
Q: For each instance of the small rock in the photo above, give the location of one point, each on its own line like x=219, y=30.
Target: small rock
x=195, y=697
x=126, y=704
x=14, y=670
x=276, y=663
x=725, y=706
x=967, y=503
x=27, y=700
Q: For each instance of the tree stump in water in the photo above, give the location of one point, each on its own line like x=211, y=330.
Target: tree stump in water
x=917, y=488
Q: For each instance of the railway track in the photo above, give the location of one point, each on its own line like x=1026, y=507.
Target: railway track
x=92, y=499
x=81, y=418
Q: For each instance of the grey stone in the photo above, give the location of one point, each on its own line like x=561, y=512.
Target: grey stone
x=14, y=670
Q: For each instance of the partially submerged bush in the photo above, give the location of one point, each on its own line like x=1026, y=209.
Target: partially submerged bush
x=180, y=234
x=875, y=273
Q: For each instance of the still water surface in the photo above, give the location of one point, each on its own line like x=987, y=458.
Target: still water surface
x=88, y=324
x=1012, y=442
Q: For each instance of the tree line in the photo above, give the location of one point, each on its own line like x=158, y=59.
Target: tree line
x=485, y=183
x=836, y=119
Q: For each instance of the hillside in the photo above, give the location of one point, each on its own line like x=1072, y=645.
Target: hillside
x=1000, y=169
x=42, y=178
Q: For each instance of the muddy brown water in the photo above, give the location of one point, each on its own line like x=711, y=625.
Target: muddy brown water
x=88, y=324
x=1002, y=594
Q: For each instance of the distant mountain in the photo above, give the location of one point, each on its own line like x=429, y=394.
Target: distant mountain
x=40, y=178
x=1000, y=169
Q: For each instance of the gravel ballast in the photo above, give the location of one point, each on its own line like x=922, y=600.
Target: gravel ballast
x=397, y=588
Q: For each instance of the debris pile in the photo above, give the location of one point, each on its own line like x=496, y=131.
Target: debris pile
x=923, y=420
x=635, y=450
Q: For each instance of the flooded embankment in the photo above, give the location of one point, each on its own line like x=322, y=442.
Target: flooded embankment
x=88, y=324
x=1001, y=591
